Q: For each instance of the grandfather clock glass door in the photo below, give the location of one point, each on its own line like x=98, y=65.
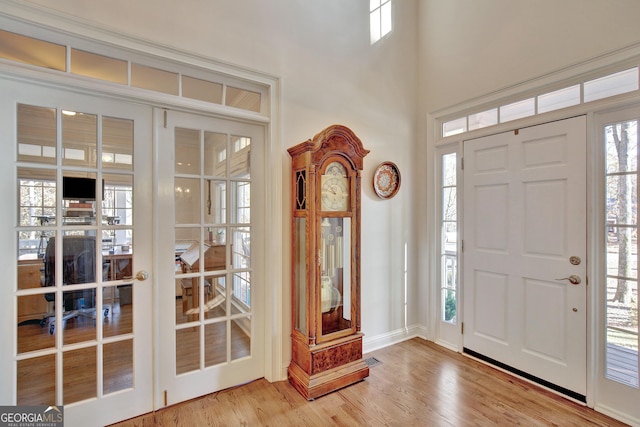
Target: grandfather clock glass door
x=210, y=261
x=80, y=327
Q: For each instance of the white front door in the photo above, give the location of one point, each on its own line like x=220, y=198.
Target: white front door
x=77, y=227
x=525, y=252
x=211, y=235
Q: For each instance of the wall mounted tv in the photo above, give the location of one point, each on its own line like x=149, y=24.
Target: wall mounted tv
x=75, y=188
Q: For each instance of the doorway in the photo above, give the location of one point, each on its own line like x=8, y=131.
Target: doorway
x=80, y=312
x=525, y=251
x=211, y=237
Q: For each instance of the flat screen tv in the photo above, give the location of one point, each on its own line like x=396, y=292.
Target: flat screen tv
x=74, y=188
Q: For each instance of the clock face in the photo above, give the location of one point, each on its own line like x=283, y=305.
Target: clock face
x=335, y=191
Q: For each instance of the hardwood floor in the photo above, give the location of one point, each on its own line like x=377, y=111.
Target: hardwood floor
x=417, y=383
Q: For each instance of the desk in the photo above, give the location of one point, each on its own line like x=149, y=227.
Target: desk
x=120, y=264
x=30, y=276
x=214, y=259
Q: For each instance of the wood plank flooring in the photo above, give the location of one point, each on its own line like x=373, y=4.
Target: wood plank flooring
x=418, y=383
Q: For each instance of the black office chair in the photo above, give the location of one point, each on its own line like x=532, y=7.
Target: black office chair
x=78, y=266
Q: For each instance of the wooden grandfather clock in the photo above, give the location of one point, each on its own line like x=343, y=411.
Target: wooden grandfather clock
x=326, y=337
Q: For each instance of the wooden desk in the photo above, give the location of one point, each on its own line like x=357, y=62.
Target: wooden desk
x=214, y=259
x=120, y=264
x=30, y=273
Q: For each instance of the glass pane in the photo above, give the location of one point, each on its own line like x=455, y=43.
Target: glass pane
x=300, y=274
x=189, y=308
x=449, y=169
x=517, y=110
x=37, y=192
x=118, y=366
x=215, y=341
x=32, y=331
x=187, y=200
x=621, y=208
x=98, y=66
x=79, y=374
x=613, y=84
x=622, y=332
x=119, y=301
x=215, y=297
x=215, y=211
x=335, y=272
x=117, y=206
x=78, y=259
x=449, y=203
x=241, y=247
x=79, y=316
x=241, y=302
x=483, y=119
x=187, y=151
x=374, y=25
x=622, y=255
x=37, y=134
x=558, y=99
x=37, y=380
x=449, y=238
x=201, y=89
x=117, y=143
x=215, y=252
x=240, y=201
x=454, y=127
x=240, y=159
x=187, y=350
x=240, y=338
x=215, y=154
x=622, y=147
x=241, y=98
x=154, y=79
x=449, y=305
x=79, y=138
x=32, y=51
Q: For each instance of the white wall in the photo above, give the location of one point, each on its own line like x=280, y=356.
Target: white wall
x=470, y=49
x=330, y=74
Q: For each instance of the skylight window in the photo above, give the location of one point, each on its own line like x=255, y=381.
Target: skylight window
x=380, y=19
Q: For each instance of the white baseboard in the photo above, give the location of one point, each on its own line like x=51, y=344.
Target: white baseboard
x=625, y=418
x=370, y=344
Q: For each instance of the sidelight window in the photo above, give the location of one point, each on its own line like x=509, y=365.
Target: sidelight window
x=621, y=140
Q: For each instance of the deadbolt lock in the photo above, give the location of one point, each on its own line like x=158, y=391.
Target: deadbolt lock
x=575, y=260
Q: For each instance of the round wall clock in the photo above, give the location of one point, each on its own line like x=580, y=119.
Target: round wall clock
x=386, y=180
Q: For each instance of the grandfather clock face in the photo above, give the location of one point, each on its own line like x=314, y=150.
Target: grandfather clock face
x=335, y=188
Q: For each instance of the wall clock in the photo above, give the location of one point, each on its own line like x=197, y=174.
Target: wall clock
x=386, y=180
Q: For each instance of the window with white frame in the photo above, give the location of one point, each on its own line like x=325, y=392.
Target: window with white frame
x=380, y=19
x=448, y=238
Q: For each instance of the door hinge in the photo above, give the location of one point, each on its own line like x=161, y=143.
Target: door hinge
x=462, y=163
x=462, y=245
x=462, y=328
x=165, y=124
x=165, y=398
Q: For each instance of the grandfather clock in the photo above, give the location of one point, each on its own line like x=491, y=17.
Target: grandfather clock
x=326, y=337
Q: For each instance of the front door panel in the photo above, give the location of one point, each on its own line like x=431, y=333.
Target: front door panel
x=524, y=220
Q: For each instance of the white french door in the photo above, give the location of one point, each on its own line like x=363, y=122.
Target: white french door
x=77, y=228
x=211, y=239
x=525, y=252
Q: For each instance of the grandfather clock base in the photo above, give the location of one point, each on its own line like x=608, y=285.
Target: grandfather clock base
x=324, y=368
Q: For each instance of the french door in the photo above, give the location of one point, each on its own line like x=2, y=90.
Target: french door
x=525, y=252
x=211, y=197
x=77, y=230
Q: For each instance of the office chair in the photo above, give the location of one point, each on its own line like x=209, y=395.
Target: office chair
x=78, y=266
